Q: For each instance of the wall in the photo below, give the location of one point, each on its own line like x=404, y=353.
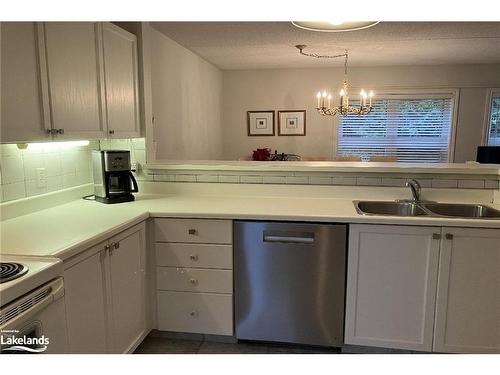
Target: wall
x=296, y=89
x=187, y=101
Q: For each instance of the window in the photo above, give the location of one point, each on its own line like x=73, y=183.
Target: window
x=413, y=129
x=493, y=135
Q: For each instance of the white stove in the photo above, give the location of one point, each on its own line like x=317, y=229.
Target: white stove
x=32, y=272
x=32, y=313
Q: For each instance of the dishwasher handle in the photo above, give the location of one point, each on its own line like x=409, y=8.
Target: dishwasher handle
x=288, y=237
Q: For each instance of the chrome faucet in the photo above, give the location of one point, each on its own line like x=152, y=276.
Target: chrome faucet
x=415, y=189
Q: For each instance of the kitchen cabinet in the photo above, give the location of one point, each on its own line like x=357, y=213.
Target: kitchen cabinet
x=74, y=66
x=84, y=282
x=194, y=275
x=468, y=294
x=106, y=295
x=121, y=82
x=24, y=100
x=127, y=289
x=394, y=274
x=68, y=80
x=391, y=286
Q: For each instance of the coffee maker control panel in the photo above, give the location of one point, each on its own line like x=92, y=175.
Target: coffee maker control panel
x=116, y=161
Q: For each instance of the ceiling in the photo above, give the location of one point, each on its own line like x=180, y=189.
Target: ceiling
x=265, y=45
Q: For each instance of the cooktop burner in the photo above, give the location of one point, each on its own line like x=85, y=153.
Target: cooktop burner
x=10, y=271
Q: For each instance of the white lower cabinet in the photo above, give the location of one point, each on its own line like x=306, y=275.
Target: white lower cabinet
x=194, y=275
x=207, y=313
x=106, y=295
x=468, y=295
x=395, y=273
x=391, y=286
x=85, y=299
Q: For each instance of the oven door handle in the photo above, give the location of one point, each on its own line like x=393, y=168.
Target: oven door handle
x=56, y=292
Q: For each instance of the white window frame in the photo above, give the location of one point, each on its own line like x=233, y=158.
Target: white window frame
x=486, y=119
x=402, y=93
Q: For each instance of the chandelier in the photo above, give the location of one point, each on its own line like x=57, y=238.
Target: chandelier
x=324, y=99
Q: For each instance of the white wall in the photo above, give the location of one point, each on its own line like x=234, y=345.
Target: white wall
x=187, y=101
x=296, y=88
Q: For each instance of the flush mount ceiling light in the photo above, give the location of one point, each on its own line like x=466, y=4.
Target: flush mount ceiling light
x=334, y=26
x=324, y=106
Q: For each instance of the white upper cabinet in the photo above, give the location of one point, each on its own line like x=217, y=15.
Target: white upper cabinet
x=468, y=296
x=120, y=72
x=24, y=102
x=73, y=51
x=391, y=286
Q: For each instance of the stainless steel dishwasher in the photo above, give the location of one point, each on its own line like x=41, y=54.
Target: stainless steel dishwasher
x=290, y=282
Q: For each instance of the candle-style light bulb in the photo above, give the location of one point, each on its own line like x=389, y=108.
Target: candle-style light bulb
x=329, y=101
x=323, y=97
x=342, y=94
x=371, y=96
x=362, y=98
x=318, y=96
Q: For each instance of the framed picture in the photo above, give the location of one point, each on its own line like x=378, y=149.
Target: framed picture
x=292, y=122
x=260, y=123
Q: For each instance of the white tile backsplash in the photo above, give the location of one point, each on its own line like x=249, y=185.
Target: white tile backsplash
x=64, y=168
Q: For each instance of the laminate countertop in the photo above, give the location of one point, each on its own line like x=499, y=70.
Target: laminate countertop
x=65, y=230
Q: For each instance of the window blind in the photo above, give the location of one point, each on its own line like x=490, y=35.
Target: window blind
x=494, y=122
x=412, y=129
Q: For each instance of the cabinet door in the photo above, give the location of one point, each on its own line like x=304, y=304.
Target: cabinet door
x=468, y=298
x=120, y=72
x=86, y=304
x=391, y=286
x=127, y=290
x=74, y=61
x=24, y=100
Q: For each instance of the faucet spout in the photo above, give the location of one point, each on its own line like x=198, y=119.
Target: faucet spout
x=415, y=189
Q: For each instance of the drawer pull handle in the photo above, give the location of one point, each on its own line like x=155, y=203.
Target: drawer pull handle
x=192, y=231
x=193, y=257
x=449, y=236
x=193, y=281
x=436, y=236
x=193, y=313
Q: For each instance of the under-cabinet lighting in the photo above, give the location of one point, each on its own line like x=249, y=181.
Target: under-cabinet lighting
x=52, y=145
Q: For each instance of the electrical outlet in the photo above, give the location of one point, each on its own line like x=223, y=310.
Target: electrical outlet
x=41, y=180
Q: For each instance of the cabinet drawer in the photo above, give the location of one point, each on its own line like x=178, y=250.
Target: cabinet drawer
x=195, y=312
x=194, y=230
x=194, y=255
x=194, y=280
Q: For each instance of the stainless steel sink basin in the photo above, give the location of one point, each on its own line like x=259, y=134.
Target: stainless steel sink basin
x=476, y=211
x=392, y=208
x=429, y=209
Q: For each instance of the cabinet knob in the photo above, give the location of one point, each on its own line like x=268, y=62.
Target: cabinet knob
x=192, y=231
x=193, y=257
x=117, y=245
x=449, y=236
x=436, y=236
x=193, y=313
x=193, y=281
x=111, y=132
x=60, y=131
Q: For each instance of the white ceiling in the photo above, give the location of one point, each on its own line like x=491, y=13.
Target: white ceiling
x=264, y=45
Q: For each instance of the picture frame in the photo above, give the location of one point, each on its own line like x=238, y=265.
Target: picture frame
x=260, y=123
x=292, y=123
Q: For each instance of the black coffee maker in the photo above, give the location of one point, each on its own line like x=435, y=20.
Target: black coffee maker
x=113, y=178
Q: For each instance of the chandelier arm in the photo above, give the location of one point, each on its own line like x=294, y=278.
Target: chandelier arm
x=301, y=47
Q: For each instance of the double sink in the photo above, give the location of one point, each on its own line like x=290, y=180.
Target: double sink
x=427, y=209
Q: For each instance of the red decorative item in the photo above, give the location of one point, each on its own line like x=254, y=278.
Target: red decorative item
x=261, y=154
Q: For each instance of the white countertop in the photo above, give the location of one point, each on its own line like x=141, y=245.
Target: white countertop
x=65, y=230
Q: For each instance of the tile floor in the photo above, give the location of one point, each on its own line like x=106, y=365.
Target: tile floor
x=164, y=345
